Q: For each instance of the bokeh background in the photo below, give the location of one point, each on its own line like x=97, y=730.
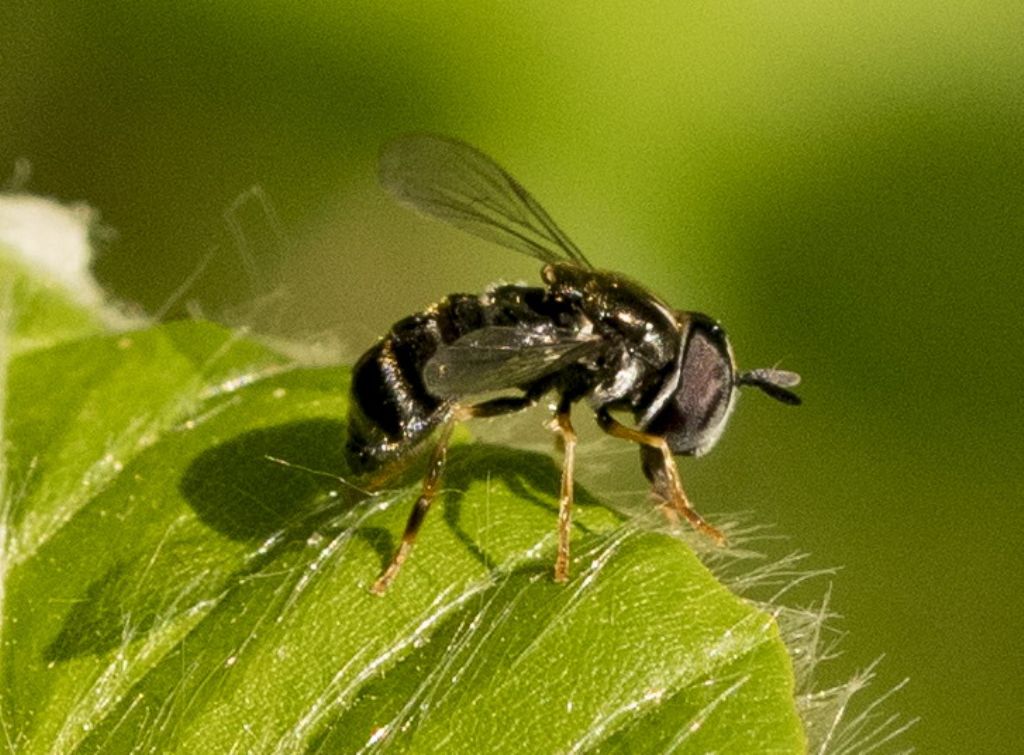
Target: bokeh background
x=842, y=184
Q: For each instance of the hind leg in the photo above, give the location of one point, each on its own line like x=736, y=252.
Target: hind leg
x=432, y=480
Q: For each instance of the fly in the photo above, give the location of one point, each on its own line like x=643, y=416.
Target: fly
x=585, y=335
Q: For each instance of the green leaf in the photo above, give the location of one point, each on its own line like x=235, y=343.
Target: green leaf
x=186, y=562
x=37, y=312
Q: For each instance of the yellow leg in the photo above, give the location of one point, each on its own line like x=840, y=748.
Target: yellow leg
x=562, y=425
x=419, y=511
x=432, y=481
x=677, y=497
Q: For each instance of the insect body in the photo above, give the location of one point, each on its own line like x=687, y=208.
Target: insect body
x=587, y=334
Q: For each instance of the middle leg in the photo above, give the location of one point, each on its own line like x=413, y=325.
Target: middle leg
x=562, y=424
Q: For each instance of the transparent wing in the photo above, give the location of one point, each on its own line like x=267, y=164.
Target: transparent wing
x=498, y=358
x=459, y=184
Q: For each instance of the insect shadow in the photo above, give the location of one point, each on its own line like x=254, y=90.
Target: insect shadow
x=271, y=480
x=530, y=476
x=240, y=490
x=274, y=480
x=278, y=485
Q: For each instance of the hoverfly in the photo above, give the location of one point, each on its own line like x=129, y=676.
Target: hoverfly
x=587, y=334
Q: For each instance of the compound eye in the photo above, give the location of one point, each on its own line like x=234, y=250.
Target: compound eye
x=695, y=415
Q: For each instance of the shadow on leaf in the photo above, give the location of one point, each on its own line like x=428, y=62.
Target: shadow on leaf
x=243, y=491
x=532, y=477
x=275, y=486
x=267, y=480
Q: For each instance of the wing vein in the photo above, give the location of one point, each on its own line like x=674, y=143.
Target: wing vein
x=456, y=183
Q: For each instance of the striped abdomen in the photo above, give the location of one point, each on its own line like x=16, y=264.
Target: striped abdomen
x=391, y=410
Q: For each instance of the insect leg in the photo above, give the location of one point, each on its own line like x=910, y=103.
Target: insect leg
x=668, y=470
x=419, y=511
x=432, y=481
x=562, y=424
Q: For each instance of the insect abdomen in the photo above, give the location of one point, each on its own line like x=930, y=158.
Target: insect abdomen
x=392, y=410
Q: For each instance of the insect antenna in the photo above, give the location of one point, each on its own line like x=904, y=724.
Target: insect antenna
x=773, y=382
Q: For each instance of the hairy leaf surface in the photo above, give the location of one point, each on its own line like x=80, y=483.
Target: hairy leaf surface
x=186, y=562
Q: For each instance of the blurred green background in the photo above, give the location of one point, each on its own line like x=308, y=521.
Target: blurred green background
x=842, y=184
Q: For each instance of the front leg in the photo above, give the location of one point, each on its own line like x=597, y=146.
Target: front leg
x=660, y=467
